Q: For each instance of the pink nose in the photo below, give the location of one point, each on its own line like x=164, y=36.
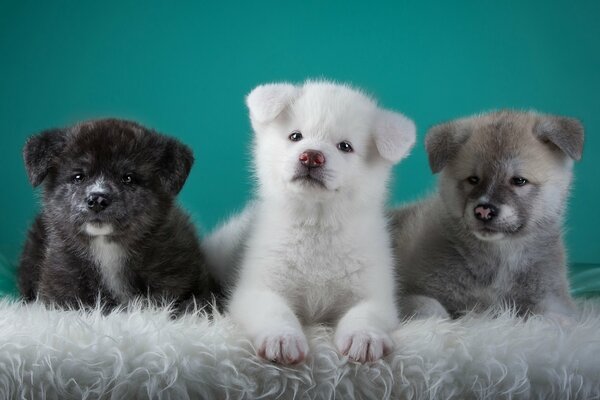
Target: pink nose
x=312, y=159
x=485, y=212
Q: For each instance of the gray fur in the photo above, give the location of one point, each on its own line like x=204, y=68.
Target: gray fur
x=152, y=249
x=565, y=133
x=443, y=142
x=449, y=261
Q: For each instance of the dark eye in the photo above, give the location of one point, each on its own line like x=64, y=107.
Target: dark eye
x=473, y=180
x=518, y=181
x=78, y=178
x=127, y=179
x=295, y=136
x=345, y=146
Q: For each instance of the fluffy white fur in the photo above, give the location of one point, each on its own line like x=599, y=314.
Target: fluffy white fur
x=110, y=258
x=98, y=229
x=317, y=253
x=224, y=247
x=143, y=353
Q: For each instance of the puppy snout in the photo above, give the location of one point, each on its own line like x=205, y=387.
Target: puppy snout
x=485, y=212
x=98, y=201
x=312, y=159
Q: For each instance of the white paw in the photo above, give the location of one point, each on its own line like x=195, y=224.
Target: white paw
x=283, y=347
x=364, y=345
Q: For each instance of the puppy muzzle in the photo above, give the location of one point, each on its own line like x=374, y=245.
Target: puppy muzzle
x=98, y=202
x=485, y=212
x=312, y=159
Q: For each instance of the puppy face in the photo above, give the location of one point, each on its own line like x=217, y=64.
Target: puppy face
x=107, y=177
x=503, y=174
x=321, y=139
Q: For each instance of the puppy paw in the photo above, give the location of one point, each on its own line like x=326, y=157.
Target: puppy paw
x=286, y=347
x=419, y=307
x=364, y=345
x=563, y=320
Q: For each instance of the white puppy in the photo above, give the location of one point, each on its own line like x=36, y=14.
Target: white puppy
x=315, y=244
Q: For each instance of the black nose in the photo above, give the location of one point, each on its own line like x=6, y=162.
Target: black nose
x=312, y=159
x=485, y=212
x=98, y=201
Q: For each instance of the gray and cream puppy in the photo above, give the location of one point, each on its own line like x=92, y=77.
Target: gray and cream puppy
x=492, y=235
x=109, y=224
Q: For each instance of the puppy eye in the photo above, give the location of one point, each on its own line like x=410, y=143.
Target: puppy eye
x=78, y=178
x=519, y=181
x=473, y=180
x=345, y=146
x=295, y=136
x=127, y=179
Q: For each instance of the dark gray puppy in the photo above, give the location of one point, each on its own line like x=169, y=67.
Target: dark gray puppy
x=491, y=236
x=109, y=225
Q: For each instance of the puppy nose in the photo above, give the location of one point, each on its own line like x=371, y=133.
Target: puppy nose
x=312, y=159
x=485, y=212
x=98, y=201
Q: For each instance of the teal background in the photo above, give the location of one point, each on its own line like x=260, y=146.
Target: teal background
x=184, y=68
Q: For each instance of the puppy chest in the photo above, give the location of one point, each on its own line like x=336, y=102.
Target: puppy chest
x=320, y=277
x=110, y=258
x=498, y=285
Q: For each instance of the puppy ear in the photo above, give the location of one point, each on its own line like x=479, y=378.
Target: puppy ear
x=266, y=102
x=442, y=142
x=395, y=135
x=40, y=153
x=175, y=165
x=565, y=133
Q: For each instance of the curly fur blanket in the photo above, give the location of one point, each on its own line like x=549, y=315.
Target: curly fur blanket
x=143, y=353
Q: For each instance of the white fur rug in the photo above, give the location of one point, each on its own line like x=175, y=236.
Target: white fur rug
x=142, y=353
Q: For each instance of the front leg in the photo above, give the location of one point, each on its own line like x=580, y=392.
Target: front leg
x=363, y=332
x=544, y=293
x=559, y=308
x=271, y=324
x=63, y=284
x=419, y=306
x=63, y=289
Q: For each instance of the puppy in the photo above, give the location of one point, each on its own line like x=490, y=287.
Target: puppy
x=109, y=225
x=314, y=246
x=492, y=234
